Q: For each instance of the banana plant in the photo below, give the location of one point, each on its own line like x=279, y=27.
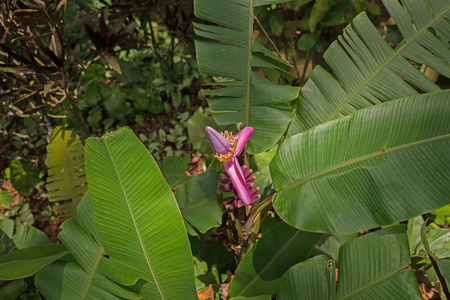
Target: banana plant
x=227, y=49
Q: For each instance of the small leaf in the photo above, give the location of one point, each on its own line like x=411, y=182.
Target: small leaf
x=24, y=179
x=112, y=61
x=6, y=199
x=318, y=11
x=307, y=41
x=276, y=22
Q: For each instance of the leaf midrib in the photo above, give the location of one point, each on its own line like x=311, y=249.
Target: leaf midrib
x=136, y=227
x=271, y=261
x=369, y=285
x=362, y=158
x=382, y=66
x=93, y=271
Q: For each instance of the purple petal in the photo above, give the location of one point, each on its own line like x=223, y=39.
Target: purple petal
x=237, y=177
x=243, y=135
x=219, y=143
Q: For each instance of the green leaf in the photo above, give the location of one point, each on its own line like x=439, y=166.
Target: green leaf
x=307, y=41
x=311, y=279
x=197, y=201
x=125, y=184
x=276, y=22
x=114, y=100
x=442, y=211
x=7, y=226
x=84, y=280
x=369, y=169
x=260, y=297
x=23, y=179
x=6, y=199
x=67, y=280
x=26, y=262
x=216, y=255
x=106, y=267
x=262, y=172
x=66, y=176
x=173, y=168
x=28, y=236
x=413, y=232
x=376, y=266
x=369, y=71
x=13, y=289
x=330, y=244
x=438, y=241
x=91, y=83
x=318, y=12
x=230, y=52
x=264, y=264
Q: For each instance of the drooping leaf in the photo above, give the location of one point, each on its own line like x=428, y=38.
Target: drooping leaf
x=26, y=262
x=66, y=177
x=67, y=280
x=369, y=71
x=231, y=52
x=264, y=264
x=368, y=169
x=125, y=184
x=106, y=266
x=82, y=280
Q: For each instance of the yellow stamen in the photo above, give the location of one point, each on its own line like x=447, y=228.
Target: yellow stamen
x=233, y=141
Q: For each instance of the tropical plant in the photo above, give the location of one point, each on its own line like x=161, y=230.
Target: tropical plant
x=66, y=177
x=360, y=155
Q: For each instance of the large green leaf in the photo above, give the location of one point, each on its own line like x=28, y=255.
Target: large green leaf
x=378, y=166
x=263, y=265
x=136, y=215
x=26, y=262
x=106, y=267
x=67, y=280
x=232, y=53
x=81, y=280
x=369, y=71
x=314, y=278
x=374, y=266
x=66, y=177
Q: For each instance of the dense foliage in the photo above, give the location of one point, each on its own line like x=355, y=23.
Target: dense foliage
x=332, y=172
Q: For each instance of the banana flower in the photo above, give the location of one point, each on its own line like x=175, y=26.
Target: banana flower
x=227, y=148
